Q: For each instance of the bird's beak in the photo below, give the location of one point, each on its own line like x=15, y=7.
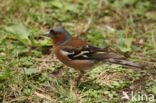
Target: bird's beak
x=47, y=34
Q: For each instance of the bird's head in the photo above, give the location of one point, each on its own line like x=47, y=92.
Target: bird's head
x=58, y=35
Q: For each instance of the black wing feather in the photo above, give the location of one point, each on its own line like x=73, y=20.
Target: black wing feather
x=89, y=52
x=77, y=53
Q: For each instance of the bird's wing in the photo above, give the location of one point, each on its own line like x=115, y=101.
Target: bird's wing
x=88, y=52
x=96, y=54
x=75, y=53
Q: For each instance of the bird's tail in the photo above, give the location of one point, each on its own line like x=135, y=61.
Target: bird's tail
x=124, y=62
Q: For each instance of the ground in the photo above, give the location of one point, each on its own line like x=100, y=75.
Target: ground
x=30, y=73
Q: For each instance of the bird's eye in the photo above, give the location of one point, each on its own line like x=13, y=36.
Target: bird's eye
x=52, y=31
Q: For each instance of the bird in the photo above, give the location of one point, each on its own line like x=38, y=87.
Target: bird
x=81, y=55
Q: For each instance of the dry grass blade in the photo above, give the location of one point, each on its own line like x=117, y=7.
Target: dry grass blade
x=44, y=96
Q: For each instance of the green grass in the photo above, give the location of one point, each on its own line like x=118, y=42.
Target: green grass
x=29, y=72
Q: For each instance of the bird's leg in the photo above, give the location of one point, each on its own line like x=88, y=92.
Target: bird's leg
x=77, y=78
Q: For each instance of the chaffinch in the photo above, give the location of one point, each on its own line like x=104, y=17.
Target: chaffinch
x=81, y=55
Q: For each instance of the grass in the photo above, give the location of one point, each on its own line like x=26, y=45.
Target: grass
x=29, y=72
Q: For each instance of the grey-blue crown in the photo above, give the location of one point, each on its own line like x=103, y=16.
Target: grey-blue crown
x=63, y=31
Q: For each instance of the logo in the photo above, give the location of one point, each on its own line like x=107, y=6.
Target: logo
x=137, y=97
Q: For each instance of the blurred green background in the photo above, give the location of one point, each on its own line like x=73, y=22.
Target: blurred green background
x=29, y=73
